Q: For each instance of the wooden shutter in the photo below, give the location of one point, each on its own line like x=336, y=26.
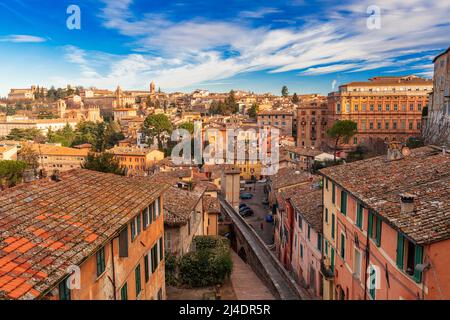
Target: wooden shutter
x=332, y=226
x=333, y=193
x=332, y=259
x=418, y=258
x=378, y=234
x=344, y=202
x=147, y=274
x=400, y=247
x=123, y=243
x=370, y=226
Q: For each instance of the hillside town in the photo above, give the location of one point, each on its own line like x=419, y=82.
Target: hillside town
x=95, y=203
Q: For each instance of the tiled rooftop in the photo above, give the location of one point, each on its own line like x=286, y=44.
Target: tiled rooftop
x=287, y=177
x=211, y=204
x=46, y=226
x=180, y=203
x=307, y=200
x=378, y=183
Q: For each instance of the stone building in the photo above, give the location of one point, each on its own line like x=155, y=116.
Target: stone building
x=312, y=123
x=437, y=120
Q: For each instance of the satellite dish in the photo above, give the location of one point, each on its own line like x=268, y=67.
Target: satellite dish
x=406, y=151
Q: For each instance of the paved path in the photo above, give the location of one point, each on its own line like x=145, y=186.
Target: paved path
x=246, y=284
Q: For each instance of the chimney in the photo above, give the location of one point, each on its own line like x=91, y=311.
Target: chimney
x=394, y=151
x=407, y=202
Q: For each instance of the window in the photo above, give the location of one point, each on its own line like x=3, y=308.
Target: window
x=154, y=258
x=409, y=255
x=379, y=125
x=326, y=183
x=145, y=218
x=135, y=227
x=386, y=125
x=357, y=266
x=124, y=292
x=326, y=215
x=146, y=268
x=359, y=216
x=374, y=223
x=410, y=126
x=373, y=281
x=301, y=251
x=123, y=243
x=161, y=249
x=394, y=125
x=309, y=232
x=319, y=242
x=371, y=125
x=342, y=246
x=355, y=140
x=100, y=261
x=332, y=225
x=371, y=107
x=395, y=107
x=344, y=202
x=64, y=291
x=137, y=275
x=300, y=222
x=380, y=107
x=388, y=107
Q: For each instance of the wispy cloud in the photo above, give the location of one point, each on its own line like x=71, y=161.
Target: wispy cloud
x=259, y=13
x=193, y=51
x=21, y=38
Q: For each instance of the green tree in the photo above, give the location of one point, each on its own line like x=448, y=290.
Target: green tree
x=66, y=136
x=253, y=111
x=295, y=98
x=157, y=126
x=113, y=134
x=189, y=126
x=11, y=172
x=103, y=162
x=31, y=134
x=342, y=130
x=284, y=91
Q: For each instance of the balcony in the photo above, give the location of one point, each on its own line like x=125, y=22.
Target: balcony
x=326, y=271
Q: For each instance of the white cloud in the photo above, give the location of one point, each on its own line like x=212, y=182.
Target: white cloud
x=197, y=51
x=22, y=38
x=260, y=13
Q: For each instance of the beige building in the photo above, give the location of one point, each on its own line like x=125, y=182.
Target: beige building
x=282, y=120
x=137, y=161
x=384, y=108
x=312, y=123
x=42, y=124
x=8, y=152
x=52, y=157
x=437, y=119
x=23, y=94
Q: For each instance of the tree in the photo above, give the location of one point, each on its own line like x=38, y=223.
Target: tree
x=113, y=134
x=103, y=162
x=253, y=111
x=11, y=172
x=189, y=126
x=32, y=134
x=66, y=136
x=157, y=126
x=29, y=156
x=342, y=130
x=295, y=99
x=284, y=91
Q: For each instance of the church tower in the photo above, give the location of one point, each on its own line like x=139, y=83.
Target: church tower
x=152, y=88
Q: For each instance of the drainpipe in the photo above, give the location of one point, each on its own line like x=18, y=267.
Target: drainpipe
x=113, y=267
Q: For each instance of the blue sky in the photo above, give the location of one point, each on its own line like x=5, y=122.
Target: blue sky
x=311, y=46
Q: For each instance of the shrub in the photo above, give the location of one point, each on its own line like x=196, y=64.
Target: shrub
x=209, y=264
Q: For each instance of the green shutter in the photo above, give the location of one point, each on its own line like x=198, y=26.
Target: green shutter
x=378, y=234
x=369, y=227
x=359, y=216
x=344, y=202
x=342, y=246
x=137, y=274
x=418, y=259
x=124, y=292
x=332, y=226
x=400, y=246
x=147, y=274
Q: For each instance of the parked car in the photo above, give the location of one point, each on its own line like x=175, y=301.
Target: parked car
x=265, y=202
x=262, y=181
x=243, y=208
x=246, y=196
x=269, y=218
x=242, y=205
x=246, y=213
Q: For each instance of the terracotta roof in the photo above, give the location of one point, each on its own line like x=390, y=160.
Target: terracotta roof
x=303, y=151
x=378, y=183
x=211, y=204
x=179, y=204
x=288, y=177
x=46, y=226
x=46, y=149
x=307, y=201
x=171, y=177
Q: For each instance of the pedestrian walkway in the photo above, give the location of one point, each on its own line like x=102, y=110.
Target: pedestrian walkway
x=246, y=284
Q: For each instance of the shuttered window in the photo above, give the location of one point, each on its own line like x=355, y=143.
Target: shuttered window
x=64, y=291
x=418, y=259
x=359, y=216
x=332, y=225
x=146, y=270
x=400, y=250
x=344, y=202
x=124, y=292
x=137, y=275
x=333, y=193
x=378, y=232
x=370, y=226
x=342, y=246
x=161, y=249
x=145, y=218
x=123, y=243
x=100, y=261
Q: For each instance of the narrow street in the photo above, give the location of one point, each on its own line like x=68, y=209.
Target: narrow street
x=258, y=220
